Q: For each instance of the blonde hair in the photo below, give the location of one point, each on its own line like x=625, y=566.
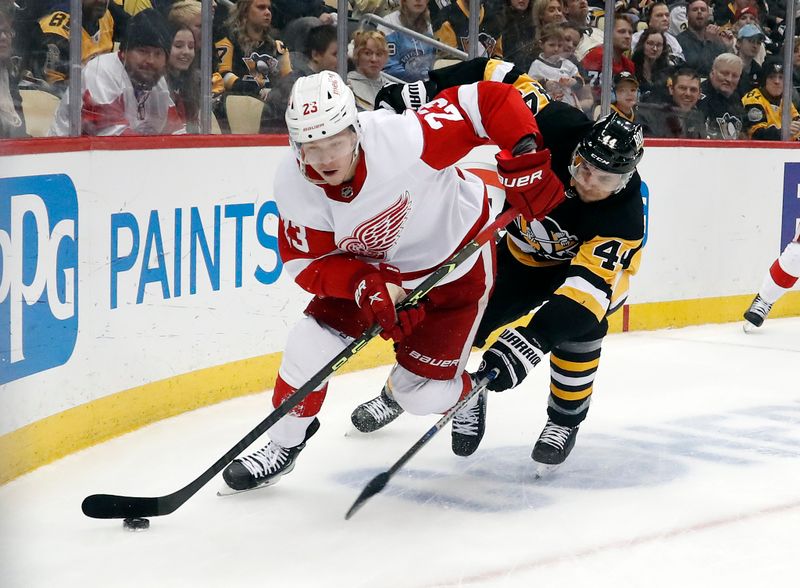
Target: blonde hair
x=184, y=11
x=236, y=24
x=360, y=39
x=419, y=24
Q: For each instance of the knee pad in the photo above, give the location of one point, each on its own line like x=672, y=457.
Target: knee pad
x=420, y=396
x=310, y=346
x=790, y=259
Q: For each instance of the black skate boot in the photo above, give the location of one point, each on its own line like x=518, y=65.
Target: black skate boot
x=755, y=315
x=469, y=424
x=554, y=444
x=376, y=413
x=266, y=466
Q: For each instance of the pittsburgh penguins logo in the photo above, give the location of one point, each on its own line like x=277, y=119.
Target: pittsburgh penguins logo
x=548, y=239
x=262, y=66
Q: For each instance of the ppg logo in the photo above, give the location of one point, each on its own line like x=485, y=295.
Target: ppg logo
x=38, y=274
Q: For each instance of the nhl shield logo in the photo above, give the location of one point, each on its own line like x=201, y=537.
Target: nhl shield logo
x=347, y=192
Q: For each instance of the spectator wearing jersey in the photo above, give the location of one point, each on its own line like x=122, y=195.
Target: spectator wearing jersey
x=519, y=33
x=651, y=58
x=558, y=75
x=720, y=102
x=50, y=53
x=700, y=41
x=454, y=30
x=369, y=54
x=250, y=59
x=12, y=121
x=678, y=116
x=763, y=105
x=749, y=44
x=621, y=43
x=658, y=19
x=125, y=93
x=409, y=59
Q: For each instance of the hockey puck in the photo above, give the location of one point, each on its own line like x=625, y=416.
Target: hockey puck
x=136, y=524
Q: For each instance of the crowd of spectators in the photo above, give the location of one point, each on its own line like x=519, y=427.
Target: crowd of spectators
x=681, y=68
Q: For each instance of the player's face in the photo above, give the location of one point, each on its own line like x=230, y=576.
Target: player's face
x=371, y=59
x=260, y=14
x=591, y=183
x=725, y=78
x=773, y=85
x=181, y=55
x=685, y=92
x=332, y=157
x=145, y=65
x=659, y=18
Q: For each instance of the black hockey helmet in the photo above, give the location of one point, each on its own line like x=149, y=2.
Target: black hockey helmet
x=613, y=144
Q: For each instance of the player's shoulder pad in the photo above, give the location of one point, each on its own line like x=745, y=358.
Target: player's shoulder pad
x=55, y=23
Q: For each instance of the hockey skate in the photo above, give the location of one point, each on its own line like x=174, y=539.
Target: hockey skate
x=553, y=446
x=755, y=315
x=376, y=413
x=265, y=466
x=469, y=424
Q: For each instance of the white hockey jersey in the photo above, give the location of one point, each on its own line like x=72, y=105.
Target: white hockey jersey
x=407, y=205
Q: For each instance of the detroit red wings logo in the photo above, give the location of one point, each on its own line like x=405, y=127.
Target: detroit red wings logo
x=376, y=236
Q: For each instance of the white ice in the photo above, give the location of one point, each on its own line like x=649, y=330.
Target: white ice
x=686, y=473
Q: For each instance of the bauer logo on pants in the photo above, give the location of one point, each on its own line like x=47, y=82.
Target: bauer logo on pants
x=38, y=274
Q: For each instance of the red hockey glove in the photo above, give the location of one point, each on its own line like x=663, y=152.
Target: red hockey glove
x=531, y=186
x=373, y=295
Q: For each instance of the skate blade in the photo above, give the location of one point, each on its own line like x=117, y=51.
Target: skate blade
x=226, y=490
x=748, y=327
x=543, y=470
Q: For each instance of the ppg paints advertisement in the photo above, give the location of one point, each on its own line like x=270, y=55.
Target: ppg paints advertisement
x=121, y=268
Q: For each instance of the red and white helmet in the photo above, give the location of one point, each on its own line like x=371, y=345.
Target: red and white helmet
x=320, y=106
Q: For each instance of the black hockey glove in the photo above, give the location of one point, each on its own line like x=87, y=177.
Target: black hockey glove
x=513, y=355
x=401, y=97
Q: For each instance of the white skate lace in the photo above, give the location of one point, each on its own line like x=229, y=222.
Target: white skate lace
x=466, y=420
x=266, y=460
x=379, y=409
x=555, y=435
x=760, y=306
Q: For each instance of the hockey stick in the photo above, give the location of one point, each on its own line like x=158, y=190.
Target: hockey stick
x=379, y=482
x=109, y=506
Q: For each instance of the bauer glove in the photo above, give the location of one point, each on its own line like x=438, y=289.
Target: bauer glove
x=513, y=355
x=530, y=184
x=376, y=293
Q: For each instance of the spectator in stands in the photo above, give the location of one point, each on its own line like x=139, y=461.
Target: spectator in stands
x=183, y=77
x=745, y=16
x=658, y=19
x=285, y=11
x=577, y=11
x=720, y=103
x=726, y=11
x=518, y=33
x=50, y=55
x=750, y=43
x=700, y=41
x=558, y=75
x=764, y=105
x=621, y=43
x=322, y=49
x=409, y=59
x=12, y=121
x=125, y=93
x=369, y=54
x=250, y=59
x=454, y=30
x=187, y=13
x=625, y=96
x=651, y=57
x=679, y=117
x=547, y=12
x=572, y=36
x=377, y=7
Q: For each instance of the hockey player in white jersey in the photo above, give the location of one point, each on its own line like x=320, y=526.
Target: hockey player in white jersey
x=370, y=204
x=781, y=277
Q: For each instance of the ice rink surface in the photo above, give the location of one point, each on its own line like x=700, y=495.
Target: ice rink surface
x=686, y=473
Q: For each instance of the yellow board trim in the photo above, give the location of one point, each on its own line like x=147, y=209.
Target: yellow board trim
x=54, y=437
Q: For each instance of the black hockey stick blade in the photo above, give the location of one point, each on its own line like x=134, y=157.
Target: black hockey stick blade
x=374, y=486
x=108, y=506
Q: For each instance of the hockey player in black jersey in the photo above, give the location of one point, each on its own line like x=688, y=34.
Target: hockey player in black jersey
x=575, y=263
